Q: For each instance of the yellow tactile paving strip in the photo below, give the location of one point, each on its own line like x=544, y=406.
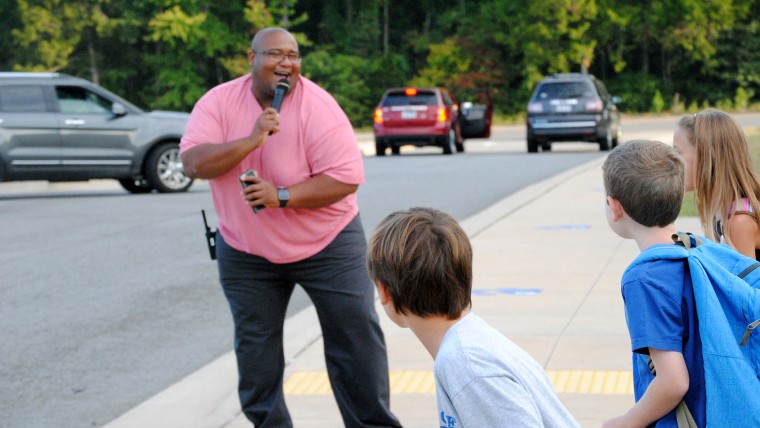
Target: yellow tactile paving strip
x=422, y=382
x=592, y=381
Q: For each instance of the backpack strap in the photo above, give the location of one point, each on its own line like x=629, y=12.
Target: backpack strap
x=684, y=419
x=749, y=270
x=753, y=325
x=684, y=239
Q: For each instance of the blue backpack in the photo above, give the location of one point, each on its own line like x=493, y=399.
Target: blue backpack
x=727, y=299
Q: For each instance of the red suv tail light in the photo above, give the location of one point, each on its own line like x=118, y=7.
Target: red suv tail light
x=594, y=106
x=442, y=115
x=378, y=116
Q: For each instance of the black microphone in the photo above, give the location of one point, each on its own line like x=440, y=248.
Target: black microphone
x=279, y=93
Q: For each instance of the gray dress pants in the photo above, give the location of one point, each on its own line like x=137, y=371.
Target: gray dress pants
x=338, y=285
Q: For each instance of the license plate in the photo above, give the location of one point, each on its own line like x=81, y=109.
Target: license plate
x=563, y=109
x=409, y=115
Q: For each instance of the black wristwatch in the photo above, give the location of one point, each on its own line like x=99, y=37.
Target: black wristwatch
x=283, y=195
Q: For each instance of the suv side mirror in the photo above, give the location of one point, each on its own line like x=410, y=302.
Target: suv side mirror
x=118, y=109
x=616, y=99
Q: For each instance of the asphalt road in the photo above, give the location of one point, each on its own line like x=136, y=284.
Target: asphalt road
x=107, y=298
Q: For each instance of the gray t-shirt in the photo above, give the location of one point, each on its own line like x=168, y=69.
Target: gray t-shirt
x=482, y=379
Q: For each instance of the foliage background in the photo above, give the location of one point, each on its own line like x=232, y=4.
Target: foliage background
x=658, y=55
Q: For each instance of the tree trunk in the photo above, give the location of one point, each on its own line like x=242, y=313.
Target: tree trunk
x=645, y=46
x=349, y=13
x=428, y=22
x=463, y=13
x=285, y=7
x=94, y=72
x=667, y=72
x=386, y=28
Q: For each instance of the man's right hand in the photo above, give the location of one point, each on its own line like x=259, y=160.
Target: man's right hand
x=268, y=123
x=213, y=160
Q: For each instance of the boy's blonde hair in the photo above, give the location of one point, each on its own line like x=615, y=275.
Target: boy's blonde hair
x=723, y=170
x=424, y=259
x=647, y=178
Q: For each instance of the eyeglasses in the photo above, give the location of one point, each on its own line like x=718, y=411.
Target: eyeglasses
x=293, y=57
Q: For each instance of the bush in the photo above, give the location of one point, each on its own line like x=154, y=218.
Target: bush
x=676, y=106
x=725, y=105
x=658, y=103
x=742, y=98
x=637, y=90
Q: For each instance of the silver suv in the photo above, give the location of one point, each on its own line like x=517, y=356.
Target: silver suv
x=57, y=127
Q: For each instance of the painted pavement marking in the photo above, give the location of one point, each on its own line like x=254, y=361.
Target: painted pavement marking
x=422, y=382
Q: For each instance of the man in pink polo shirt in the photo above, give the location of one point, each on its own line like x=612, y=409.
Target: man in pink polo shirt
x=308, y=168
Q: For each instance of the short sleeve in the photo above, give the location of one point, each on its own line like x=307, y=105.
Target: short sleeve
x=496, y=401
x=337, y=155
x=653, y=307
x=204, y=125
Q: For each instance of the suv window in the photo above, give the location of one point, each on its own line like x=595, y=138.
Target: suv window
x=564, y=90
x=14, y=99
x=447, y=99
x=72, y=99
x=401, y=99
x=602, y=89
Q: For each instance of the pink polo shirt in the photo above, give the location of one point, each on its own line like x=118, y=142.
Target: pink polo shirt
x=315, y=138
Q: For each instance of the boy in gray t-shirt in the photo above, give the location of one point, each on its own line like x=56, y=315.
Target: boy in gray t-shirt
x=421, y=262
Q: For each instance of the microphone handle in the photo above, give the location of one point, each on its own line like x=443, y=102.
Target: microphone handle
x=279, y=94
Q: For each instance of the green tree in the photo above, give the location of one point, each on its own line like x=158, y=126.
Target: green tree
x=341, y=75
x=525, y=40
x=10, y=20
x=49, y=34
x=165, y=53
x=445, y=63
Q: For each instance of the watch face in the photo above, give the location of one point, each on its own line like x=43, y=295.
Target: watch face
x=283, y=194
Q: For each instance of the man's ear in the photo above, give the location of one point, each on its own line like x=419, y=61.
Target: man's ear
x=382, y=291
x=616, y=208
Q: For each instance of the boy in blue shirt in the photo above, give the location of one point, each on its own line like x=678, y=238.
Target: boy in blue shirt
x=644, y=185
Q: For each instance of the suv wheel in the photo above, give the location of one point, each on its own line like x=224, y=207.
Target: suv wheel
x=379, y=147
x=450, y=142
x=606, y=141
x=164, y=170
x=618, y=137
x=532, y=145
x=396, y=150
x=136, y=186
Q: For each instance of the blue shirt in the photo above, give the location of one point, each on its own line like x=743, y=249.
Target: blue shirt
x=660, y=313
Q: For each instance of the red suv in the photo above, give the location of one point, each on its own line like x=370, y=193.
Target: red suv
x=417, y=116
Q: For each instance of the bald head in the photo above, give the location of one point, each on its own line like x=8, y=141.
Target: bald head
x=257, y=43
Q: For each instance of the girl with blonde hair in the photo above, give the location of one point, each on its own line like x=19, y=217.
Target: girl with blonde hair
x=720, y=172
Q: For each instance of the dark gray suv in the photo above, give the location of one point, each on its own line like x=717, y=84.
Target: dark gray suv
x=57, y=127
x=572, y=107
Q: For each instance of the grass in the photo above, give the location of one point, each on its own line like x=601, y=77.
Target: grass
x=688, y=208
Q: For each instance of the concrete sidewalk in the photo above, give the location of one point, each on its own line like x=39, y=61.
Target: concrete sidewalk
x=547, y=273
